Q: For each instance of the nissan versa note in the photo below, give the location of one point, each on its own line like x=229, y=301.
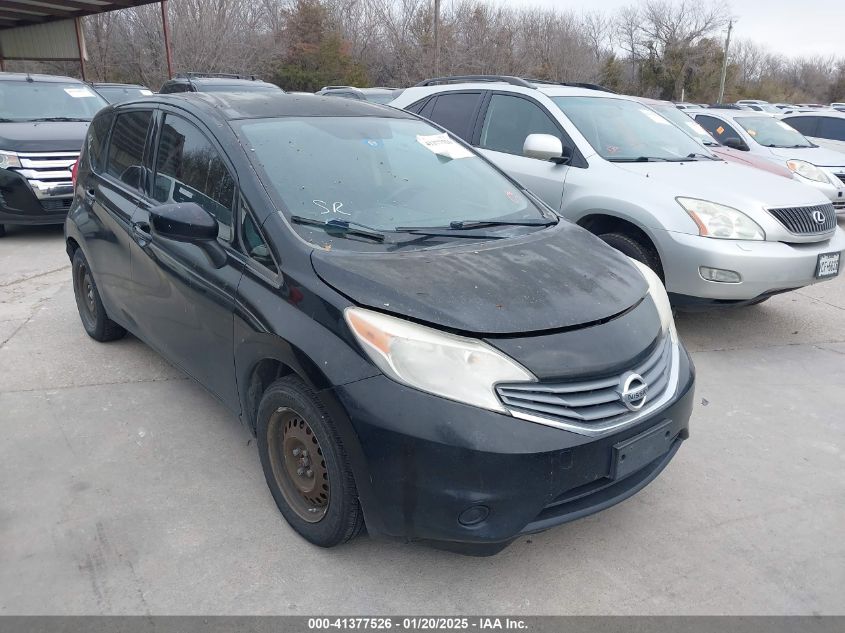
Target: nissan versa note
x=417, y=341
x=717, y=233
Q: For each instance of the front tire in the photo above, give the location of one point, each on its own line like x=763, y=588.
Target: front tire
x=306, y=466
x=635, y=249
x=96, y=322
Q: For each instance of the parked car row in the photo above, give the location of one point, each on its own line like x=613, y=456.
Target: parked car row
x=389, y=297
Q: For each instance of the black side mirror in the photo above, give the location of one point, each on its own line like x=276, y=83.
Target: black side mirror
x=735, y=143
x=183, y=222
x=188, y=222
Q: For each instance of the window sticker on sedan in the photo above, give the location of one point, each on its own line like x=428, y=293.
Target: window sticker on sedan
x=442, y=145
x=79, y=93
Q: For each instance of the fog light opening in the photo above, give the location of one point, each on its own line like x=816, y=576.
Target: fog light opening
x=473, y=515
x=719, y=275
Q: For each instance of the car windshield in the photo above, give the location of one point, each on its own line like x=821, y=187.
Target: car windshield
x=686, y=123
x=380, y=173
x=622, y=131
x=380, y=97
x=40, y=100
x=769, y=132
x=117, y=94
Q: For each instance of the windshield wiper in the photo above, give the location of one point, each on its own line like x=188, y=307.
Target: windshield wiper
x=700, y=155
x=646, y=159
x=341, y=227
x=466, y=225
x=59, y=118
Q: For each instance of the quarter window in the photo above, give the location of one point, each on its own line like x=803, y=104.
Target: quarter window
x=254, y=244
x=97, y=134
x=189, y=169
x=455, y=111
x=126, y=148
x=510, y=120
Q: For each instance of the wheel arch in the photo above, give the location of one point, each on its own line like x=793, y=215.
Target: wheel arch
x=600, y=222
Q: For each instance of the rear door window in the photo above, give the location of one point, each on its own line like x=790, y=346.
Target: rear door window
x=831, y=128
x=510, y=120
x=126, y=147
x=456, y=112
x=190, y=169
x=717, y=128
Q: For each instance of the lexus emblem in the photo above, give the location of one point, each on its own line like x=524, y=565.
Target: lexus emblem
x=818, y=216
x=633, y=391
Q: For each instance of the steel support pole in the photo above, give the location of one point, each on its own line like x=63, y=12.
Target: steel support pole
x=78, y=24
x=166, y=28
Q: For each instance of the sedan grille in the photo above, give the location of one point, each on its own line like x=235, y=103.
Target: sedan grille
x=591, y=406
x=48, y=173
x=804, y=220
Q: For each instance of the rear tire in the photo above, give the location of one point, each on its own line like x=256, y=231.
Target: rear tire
x=306, y=466
x=635, y=249
x=96, y=322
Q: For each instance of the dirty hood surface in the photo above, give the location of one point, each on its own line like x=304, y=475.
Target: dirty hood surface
x=560, y=277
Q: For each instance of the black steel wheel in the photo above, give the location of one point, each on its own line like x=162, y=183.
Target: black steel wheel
x=305, y=464
x=91, y=311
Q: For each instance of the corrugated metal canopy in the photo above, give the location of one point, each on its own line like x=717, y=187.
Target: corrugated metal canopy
x=14, y=13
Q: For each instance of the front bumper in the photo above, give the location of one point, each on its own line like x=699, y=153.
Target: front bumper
x=765, y=267
x=427, y=461
x=20, y=205
x=834, y=190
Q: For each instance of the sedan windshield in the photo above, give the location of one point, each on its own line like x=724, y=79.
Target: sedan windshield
x=770, y=132
x=624, y=131
x=48, y=100
x=381, y=174
x=687, y=124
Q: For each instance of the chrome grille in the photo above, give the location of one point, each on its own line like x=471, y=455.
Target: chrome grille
x=593, y=407
x=799, y=220
x=48, y=173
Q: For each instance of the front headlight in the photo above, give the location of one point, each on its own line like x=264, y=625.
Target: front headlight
x=660, y=298
x=807, y=170
x=443, y=364
x=8, y=159
x=717, y=220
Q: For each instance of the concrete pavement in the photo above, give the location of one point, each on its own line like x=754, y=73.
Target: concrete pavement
x=126, y=489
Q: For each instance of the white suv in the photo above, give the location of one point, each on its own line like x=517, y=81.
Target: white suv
x=716, y=232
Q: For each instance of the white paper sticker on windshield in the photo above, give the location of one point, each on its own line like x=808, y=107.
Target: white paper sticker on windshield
x=79, y=93
x=145, y=92
x=442, y=145
x=654, y=116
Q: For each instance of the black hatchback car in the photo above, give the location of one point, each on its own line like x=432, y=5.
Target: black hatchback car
x=418, y=343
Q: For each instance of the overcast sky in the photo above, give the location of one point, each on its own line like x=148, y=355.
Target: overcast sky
x=792, y=27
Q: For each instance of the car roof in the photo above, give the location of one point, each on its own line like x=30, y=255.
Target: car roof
x=37, y=77
x=116, y=85
x=231, y=106
x=836, y=114
x=217, y=81
x=734, y=114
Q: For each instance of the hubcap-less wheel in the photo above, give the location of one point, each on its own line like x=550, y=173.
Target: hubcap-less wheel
x=298, y=465
x=86, y=291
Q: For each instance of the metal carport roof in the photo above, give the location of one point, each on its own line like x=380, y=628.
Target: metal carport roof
x=25, y=12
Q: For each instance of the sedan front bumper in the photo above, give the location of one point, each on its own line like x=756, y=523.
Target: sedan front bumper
x=765, y=268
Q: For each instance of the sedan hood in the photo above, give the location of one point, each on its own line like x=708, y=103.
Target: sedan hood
x=744, y=188
x=815, y=155
x=45, y=136
x=557, y=278
x=751, y=160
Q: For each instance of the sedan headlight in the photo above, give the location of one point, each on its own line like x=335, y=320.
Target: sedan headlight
x=717, y=220
x=660, y=298
x=8, y=159
x=807, y=170
x=454, y=367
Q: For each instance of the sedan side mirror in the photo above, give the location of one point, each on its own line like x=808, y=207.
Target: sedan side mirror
x=183, y=222
x=188, y=222
x=735, y=143
x=544, y=147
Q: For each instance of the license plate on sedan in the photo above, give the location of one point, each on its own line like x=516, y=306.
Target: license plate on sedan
x=634, y=453
x=828, y=265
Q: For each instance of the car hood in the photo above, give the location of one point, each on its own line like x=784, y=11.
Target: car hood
x=738, y=186
x=750, y=160
x=557, y=278
x=815, y=155
x=44, y=136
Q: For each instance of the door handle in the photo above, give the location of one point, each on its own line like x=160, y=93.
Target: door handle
x=141, y=233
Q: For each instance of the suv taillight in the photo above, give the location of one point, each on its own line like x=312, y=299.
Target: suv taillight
x=74, y=168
